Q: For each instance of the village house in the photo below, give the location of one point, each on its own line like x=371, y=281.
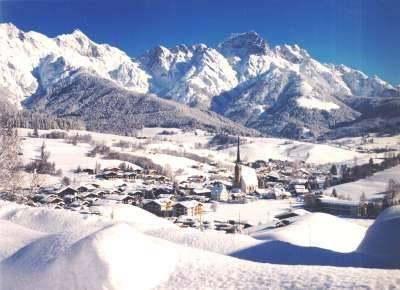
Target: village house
x=299, y=189
x=52, y=199
x=67, y=191
x=126, y=199
x=108, y=174
x=86, y=188
x=259, y=164
x=339, y=207
x=89, y=171
x=332, y=205
x=187, y=208
x=219, y=192
x=129, y=175
x=159, y=207
x=137, y=196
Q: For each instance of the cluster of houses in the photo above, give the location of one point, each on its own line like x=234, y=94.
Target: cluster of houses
x=196, y=194
x=281, y=179
x=160, y=195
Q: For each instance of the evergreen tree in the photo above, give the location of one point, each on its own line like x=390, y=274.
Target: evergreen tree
x=333, y=170
x=371, y=162
x=326, y=183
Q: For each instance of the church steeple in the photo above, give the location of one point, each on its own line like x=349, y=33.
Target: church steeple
x=238, y=150
x=238, y=168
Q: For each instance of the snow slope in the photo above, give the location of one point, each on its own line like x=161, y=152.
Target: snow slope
x=168, y=150
x=79, y=252
x=383, y=237
x=374, y=184
x=66, y=156
x=14, y=237
x=311, y=230
x=283, y=149
x=102, y=260
x=321, y=239
x=257, y=212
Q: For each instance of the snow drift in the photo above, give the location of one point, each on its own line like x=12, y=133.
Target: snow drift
x=318, y=230
x=115, y=257
x=322, y=239
x=132, y=249
x=383, y=237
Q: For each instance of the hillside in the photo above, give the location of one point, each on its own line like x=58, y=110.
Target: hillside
x=106, y=107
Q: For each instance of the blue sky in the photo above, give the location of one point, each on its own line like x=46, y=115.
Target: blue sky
x=363, y=34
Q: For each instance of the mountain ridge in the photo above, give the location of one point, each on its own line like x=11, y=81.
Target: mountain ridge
x=242, y=78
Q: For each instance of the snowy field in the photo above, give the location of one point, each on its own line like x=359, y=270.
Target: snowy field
x=125, y=247
x=256, y=212
x=158, y=147
x=56, y=249
x=370, y=185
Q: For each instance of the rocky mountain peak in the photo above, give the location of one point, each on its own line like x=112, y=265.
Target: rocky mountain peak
x=292, y=53
x=243, y=44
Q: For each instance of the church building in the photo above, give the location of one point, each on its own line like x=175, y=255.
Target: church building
x=245, y=178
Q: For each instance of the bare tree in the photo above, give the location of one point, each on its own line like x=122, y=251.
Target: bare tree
x=10, y=162
x=66, y=181
x=37, y=181
x=167, y=171
x=393, y=185
x=97, y=168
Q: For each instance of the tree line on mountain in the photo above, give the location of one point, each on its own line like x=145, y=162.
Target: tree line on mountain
x=30, y=120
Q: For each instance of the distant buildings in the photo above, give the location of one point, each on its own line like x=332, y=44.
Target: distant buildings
x=370, y=207
x=219, y=192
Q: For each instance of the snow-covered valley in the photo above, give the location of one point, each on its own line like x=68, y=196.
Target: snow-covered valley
x=111, y=245
x=181, y=145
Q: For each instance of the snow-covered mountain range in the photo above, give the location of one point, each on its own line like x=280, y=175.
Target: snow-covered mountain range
x=279, y=90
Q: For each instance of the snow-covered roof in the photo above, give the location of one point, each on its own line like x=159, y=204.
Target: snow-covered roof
x=249, y=176
x=189, y=203
x=160, y=201
x=274, y=174
x=331, y=200
x=201, y=190
x=117, y=197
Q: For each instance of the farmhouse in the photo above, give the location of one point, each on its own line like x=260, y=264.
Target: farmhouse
x=67, y=191
x=187, y=208
x=159, y=207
